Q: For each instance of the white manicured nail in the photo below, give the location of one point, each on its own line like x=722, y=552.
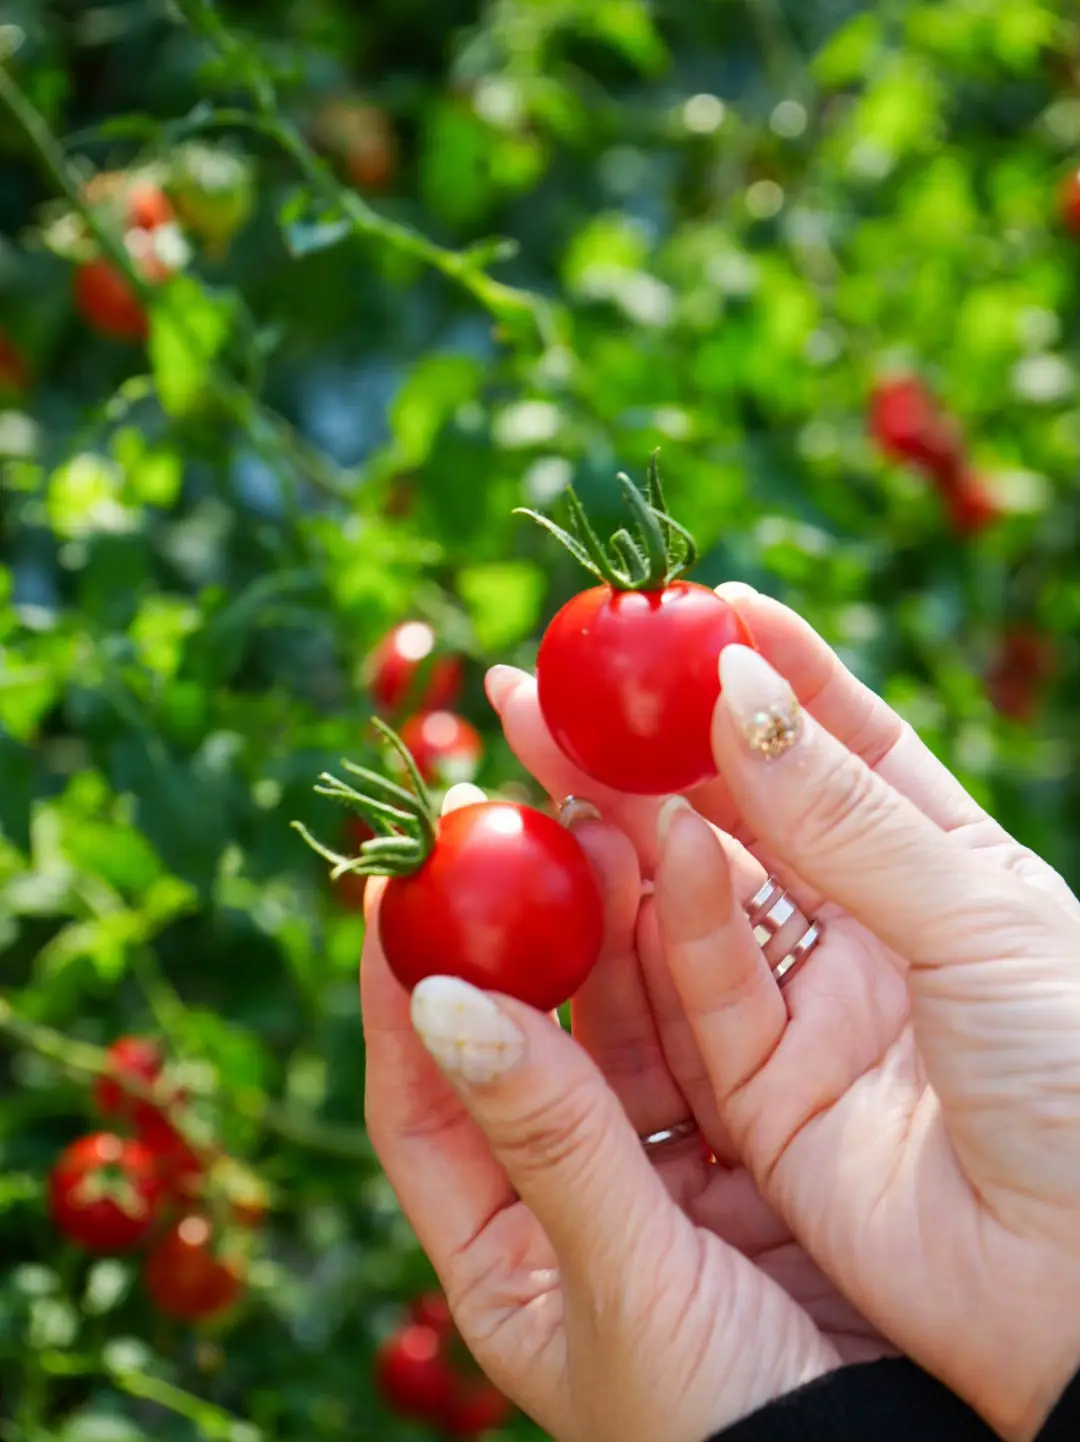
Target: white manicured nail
x=765, y=708
x=466, y=1033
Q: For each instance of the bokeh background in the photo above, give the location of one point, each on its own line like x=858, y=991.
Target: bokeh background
x=717, y=226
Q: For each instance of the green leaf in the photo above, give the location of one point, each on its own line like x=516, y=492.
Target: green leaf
x=846, y=57
x=503, y=600
x=189, y=328
x=428, y=398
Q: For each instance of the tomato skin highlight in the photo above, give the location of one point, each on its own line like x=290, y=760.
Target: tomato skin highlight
x=395, y=668
x=412, y=1375
x=506, y=901
x=104, y=1192
x=183, y=1276
x=628, y=682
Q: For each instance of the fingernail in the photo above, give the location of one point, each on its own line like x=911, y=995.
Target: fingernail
x=573, y=810
x=674, y=806
x=465, y=1032
x=498, y=683
x=764, y=706
x=462, y=793
x=735, y=591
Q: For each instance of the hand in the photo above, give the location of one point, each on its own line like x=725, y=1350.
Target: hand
x=913, y=1110
x=592, y=1286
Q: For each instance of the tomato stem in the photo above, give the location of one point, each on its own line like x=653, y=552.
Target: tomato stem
x=403, y=820
x=648, y=557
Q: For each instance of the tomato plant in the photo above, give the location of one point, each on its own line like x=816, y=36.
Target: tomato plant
x=496, y=893
x=406, y=669
x=627, y=672
x=445, y=747
x=188, y=1275
x=104, y=1192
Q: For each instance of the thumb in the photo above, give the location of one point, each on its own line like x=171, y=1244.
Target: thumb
x=553, y=1124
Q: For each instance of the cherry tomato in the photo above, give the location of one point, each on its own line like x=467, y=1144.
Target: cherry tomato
x=412, y=1375
x=14, y=372
x=445, y=747
x=148, y=206
x=179, y=1165
x=132, y=1058
x=405, y=662
x=362, y=140
x=1070, y=202
x=506, y=900
x=628, y=683
x=214, y=192
x=107, y=302
x=908, y=425
x=104, y=1192
x=433, y=1310
x=1016, y=682
x=187, y=1277
x=970, y=506
x=476, y=1407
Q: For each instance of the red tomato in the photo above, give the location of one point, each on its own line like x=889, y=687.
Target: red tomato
x=132, y=1058
x=148, y=206
x=14, y=372
x=908, y=425
x=179, y=1165
x=104, y=1192
x=412, y=1375
x=1070, y=202
x=404, y=669
x=1017, y=678
x=445, y=747
x=185, y=1276
x=107, y=302
x=970, y=506
x=475, y=1408
x=506, y=901
x=628, y=683
x=433, y=1310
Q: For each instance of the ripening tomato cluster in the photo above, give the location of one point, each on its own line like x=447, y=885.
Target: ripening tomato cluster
x=909, y=425
x=201, y=193
x=424, y=1372
x=142, y=1183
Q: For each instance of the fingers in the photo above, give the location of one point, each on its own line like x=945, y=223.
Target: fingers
x=554, y=1127
x=611, y=1016
x=437, y=1160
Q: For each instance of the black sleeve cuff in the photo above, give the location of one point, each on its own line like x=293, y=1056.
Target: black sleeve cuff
x=889, y=1401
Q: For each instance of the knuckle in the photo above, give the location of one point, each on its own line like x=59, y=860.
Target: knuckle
x=847, y=805
x=556, y=1133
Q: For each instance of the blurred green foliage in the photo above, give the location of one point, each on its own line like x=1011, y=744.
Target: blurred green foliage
x=725, y=217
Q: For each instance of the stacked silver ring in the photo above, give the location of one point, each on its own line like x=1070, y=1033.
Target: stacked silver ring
x=769, y=911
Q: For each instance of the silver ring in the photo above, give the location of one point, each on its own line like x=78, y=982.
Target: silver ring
x=680, y=1132
x=787, y=966
x=768, y=911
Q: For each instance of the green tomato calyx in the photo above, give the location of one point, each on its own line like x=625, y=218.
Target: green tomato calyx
x=403, y=820
x=645, y=556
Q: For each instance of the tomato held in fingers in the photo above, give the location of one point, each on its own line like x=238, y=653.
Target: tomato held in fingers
x=188, y=1275
x=628, y=671
x=406, y=669
x=104, y=1193
x=445, y=747
x=496, y=893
